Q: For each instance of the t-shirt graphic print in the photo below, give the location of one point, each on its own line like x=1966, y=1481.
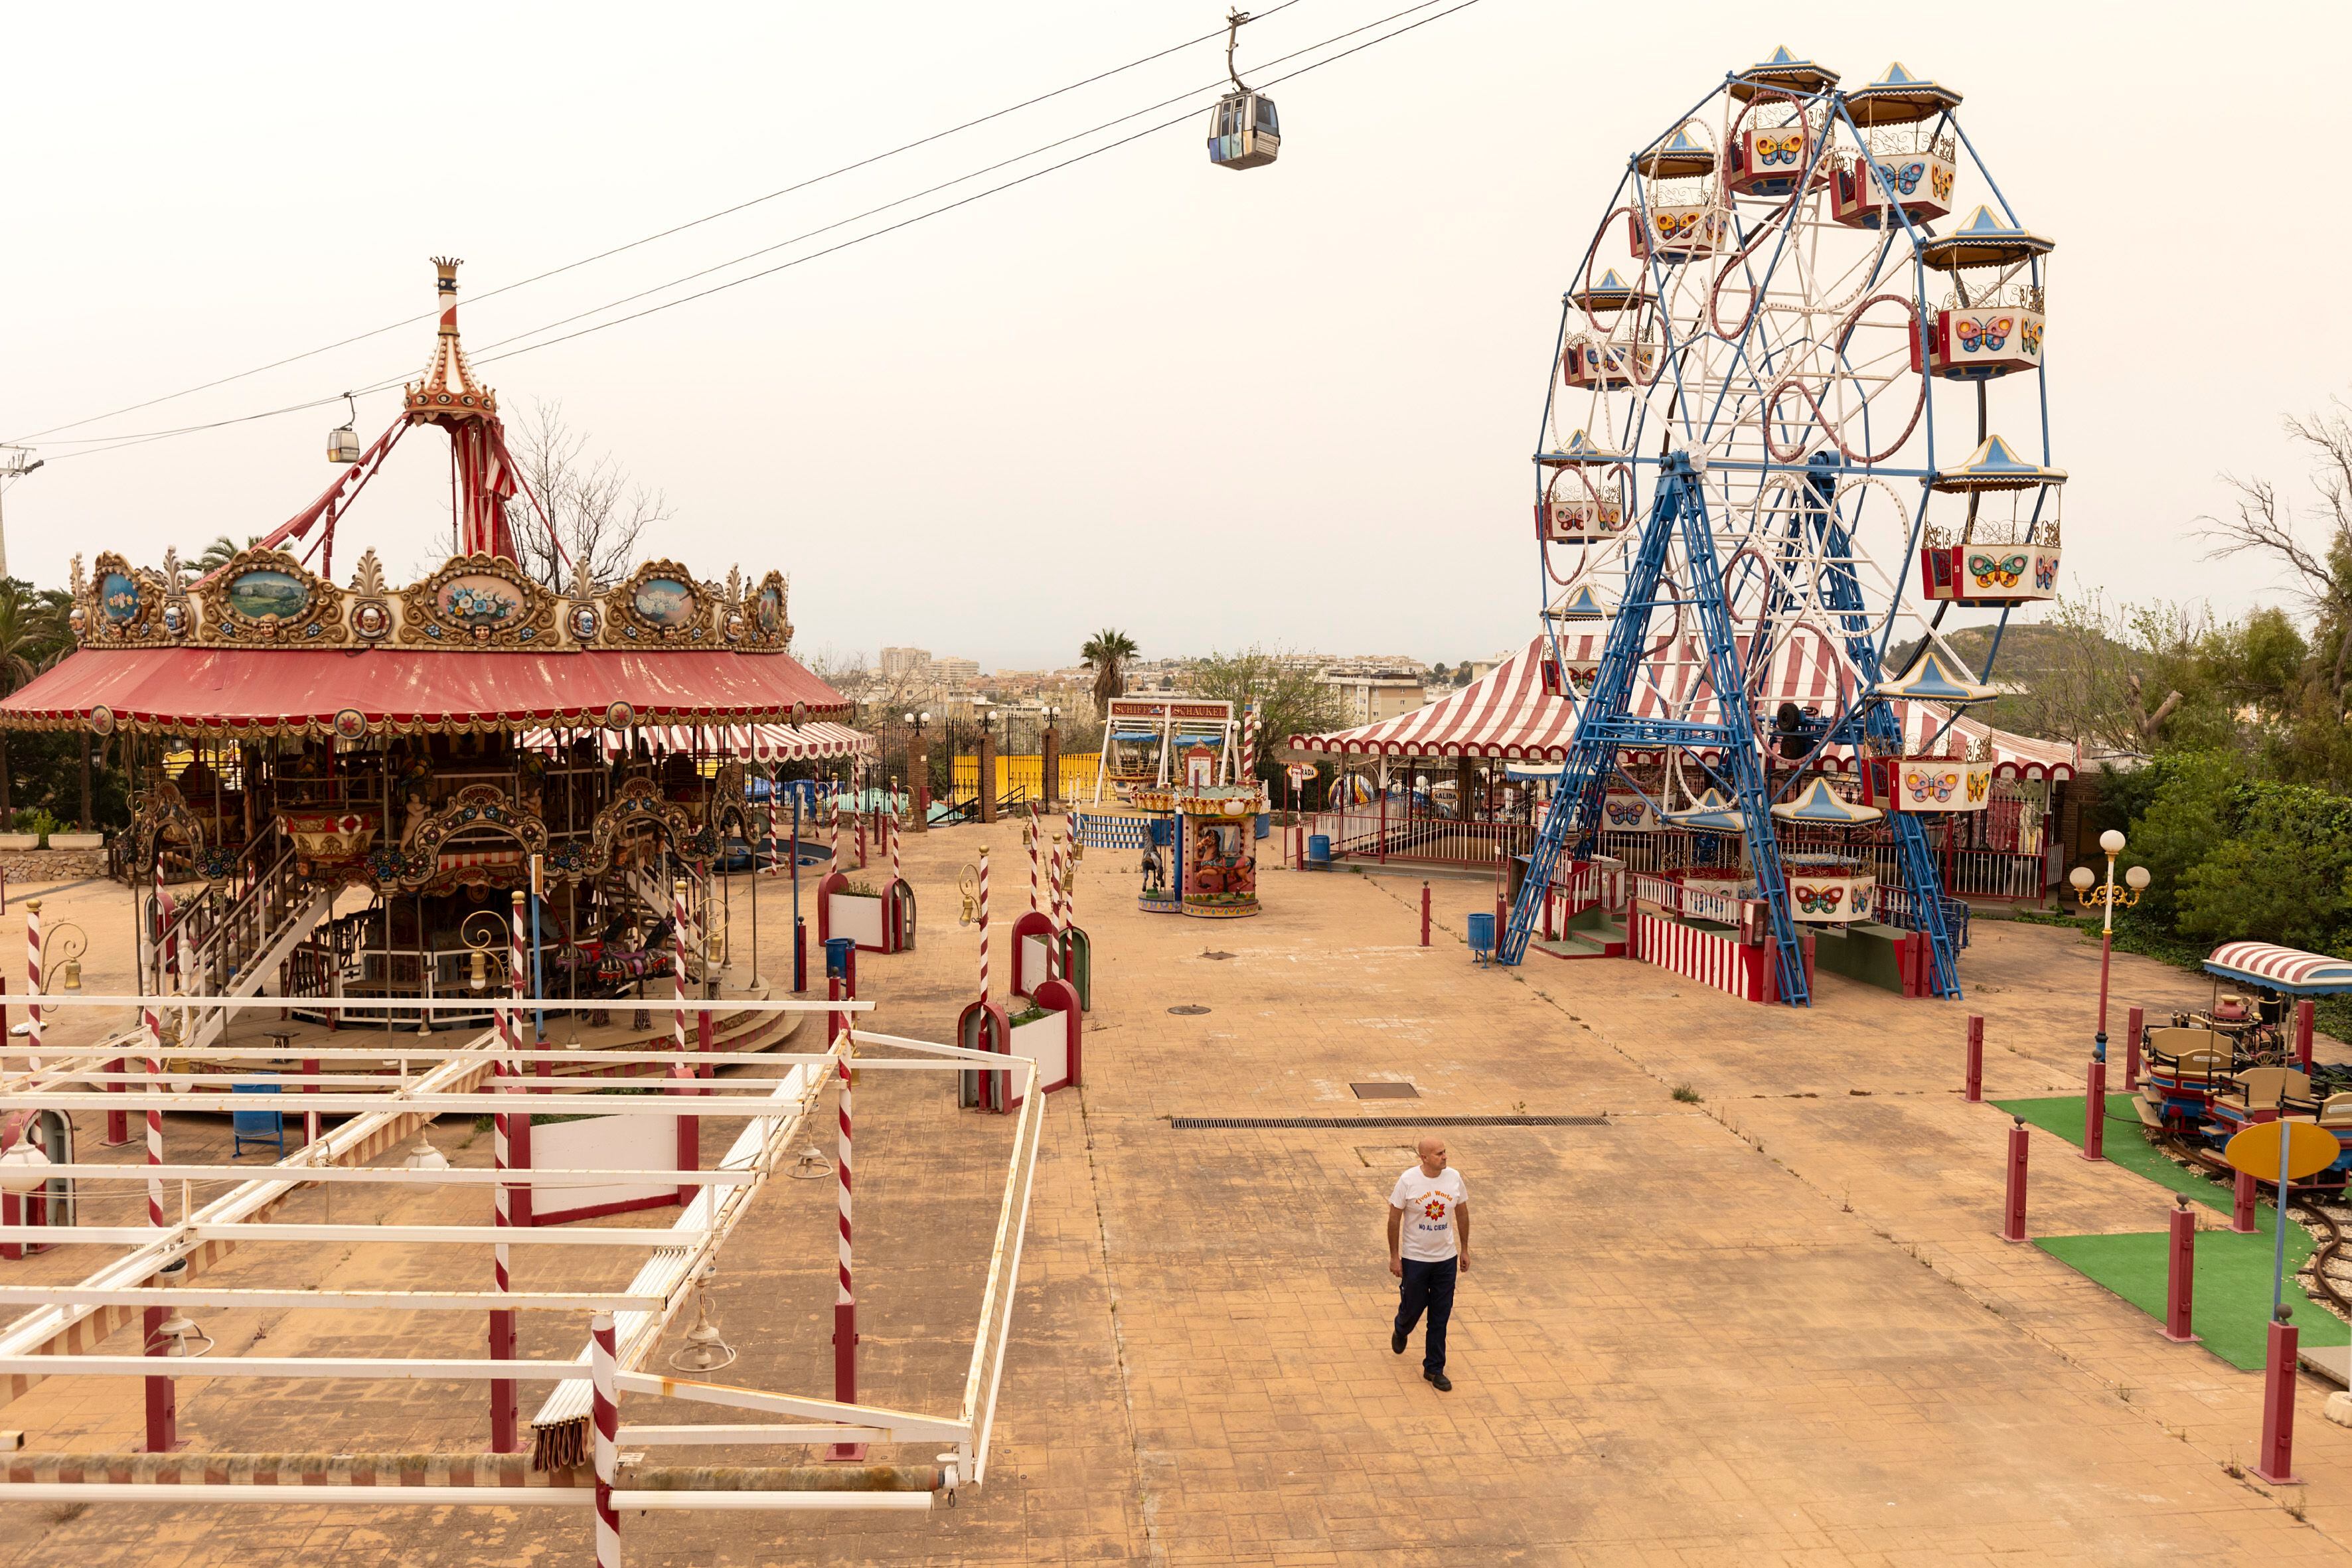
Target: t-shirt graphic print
x=1428, y=1202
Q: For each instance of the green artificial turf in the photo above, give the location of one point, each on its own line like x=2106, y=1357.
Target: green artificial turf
x=2231, y=1308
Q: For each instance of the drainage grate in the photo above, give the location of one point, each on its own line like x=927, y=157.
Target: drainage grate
x=1205, y=1123
x=1385, y=1090
x=1189, y=1010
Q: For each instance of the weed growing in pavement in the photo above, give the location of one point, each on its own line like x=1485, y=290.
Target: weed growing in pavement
x=1687, y=1094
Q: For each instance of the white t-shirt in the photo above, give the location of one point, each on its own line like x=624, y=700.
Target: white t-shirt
x=1429, y=1203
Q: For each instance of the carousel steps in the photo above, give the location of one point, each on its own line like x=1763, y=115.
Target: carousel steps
x=2150, y=1116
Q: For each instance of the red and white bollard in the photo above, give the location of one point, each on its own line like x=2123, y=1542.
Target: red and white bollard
x=2241, y=1206
x=1973, y=1087
x=2094, y=1111
x=681, y=1072
x=2132, y=1022
x=983, y=925
x=844, y=1302
x=162, y=1393
x=2012, y=1223
x=1425, y=912
x=604, y=1388
x=504, y=1393
x=2274, y=1462
x=2180, y=1277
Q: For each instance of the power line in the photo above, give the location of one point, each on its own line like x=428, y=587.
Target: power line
x=1186, y=116
x=618, y=249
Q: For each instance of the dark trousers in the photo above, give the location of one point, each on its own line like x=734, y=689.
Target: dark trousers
x=1430, y=1287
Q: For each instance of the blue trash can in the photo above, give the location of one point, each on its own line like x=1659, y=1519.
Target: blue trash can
x=837, y=956
x=1318, y=851
x=1482, y=935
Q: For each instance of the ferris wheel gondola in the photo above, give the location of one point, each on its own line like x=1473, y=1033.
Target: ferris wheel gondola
x=1245, y=132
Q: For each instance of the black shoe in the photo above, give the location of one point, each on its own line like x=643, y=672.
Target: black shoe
x=1396, y=1342
x=1443, y=1384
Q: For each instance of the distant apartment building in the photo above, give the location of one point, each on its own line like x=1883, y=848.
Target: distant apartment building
x=1367, y=696
x=900, y=663
x=952, y=673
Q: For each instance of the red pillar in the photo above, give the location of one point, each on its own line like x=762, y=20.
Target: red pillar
x=2094, y=1111
x=1975, y=1088
x=2241, y=1209
x=1425, y=912
x=2013, y=1223
x=2132, y=1024
x=2302, y=1011
x=2275, y=1460
x=2180, y=1277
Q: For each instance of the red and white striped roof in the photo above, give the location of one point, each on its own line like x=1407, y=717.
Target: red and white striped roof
x=759, y=742
x=2286, y=969
x=1508, y=714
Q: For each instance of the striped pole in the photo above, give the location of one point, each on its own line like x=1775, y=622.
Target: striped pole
x=606, y=1408
x=1248, y=769
x=844, y=1302
x=1029, y=842
x=1052, y=903
x=162, y=1394
x=689, y=1128
x=33, y=986
x=835, y=864
x=518, y=987
x=983, y=925
x=504, y=1405
x=892, y=828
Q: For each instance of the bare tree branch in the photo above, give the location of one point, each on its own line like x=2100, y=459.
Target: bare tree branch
x=597, y=509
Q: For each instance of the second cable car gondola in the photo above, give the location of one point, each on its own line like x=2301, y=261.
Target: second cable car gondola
x=1244, y=133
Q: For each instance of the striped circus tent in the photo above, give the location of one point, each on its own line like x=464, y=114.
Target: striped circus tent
x=1517, y=711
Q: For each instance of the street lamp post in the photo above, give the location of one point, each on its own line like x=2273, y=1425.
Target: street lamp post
x=1049, y=758
x=918, y=768
x=2089, y=890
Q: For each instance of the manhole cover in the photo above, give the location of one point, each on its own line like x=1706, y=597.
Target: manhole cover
x=1189, y=1010
x=1385, y=1091
x=1216, y=955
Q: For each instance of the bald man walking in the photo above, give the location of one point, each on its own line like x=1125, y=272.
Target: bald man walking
x=1429, y=1243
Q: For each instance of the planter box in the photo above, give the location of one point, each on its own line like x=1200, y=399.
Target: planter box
x=20, y=841
x=856, y=915
x=77, y=840
x=1046, y=1042
x=601, y=1142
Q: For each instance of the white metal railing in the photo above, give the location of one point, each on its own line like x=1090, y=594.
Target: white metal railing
x=48, y=1342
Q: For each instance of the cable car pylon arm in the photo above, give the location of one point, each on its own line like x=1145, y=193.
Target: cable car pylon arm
x=1234, y=21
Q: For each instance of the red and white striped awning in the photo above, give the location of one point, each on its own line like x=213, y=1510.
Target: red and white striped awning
x=1508, y=715
x=757, y=743
x=2286, y=969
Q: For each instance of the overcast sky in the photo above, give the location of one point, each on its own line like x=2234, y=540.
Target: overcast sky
x=1290, y=406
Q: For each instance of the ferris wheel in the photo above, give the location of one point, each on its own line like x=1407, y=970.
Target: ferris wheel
x=1798, y=415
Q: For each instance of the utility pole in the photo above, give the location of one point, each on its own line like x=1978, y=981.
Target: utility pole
x=14, y=465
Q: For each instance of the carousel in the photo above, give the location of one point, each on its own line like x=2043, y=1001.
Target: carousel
x=345, y=793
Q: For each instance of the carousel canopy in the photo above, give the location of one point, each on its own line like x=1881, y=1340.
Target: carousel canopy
x=267, y=645
x=245, y=692
x=2284, y=969
x=1508, y=715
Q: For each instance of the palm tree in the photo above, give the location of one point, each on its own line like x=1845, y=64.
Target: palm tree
x=220, y=552
x=1107, y=653
x=32, y=634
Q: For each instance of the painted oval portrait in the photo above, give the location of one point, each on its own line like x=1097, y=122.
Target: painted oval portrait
x=266, y=590
x=665, y=602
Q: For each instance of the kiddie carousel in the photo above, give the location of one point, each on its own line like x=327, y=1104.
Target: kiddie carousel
x=406, y=790
x=1198, y=837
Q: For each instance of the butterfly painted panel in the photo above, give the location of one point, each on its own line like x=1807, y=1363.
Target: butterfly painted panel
x=1862, y=191
x=1942, y=784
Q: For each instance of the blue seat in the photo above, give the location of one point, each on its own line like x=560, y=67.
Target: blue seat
x=256, y=1127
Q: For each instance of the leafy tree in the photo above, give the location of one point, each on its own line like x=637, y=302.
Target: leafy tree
x=33, y=634
x=1107, y=653
x=220, y=552
x=1291, y=698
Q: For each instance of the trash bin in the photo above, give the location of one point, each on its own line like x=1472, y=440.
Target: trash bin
x=1318, y=851
x=838, y=957
x=1482, y=935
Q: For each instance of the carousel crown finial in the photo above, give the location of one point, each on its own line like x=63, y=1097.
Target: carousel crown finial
x=448, y=390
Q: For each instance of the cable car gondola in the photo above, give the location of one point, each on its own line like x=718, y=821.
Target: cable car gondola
x=1245, y=132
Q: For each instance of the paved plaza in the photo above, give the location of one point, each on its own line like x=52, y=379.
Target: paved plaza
x=1767, y=1321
